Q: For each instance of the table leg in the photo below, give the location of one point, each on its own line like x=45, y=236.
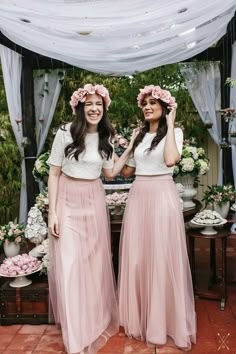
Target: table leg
x=224, y=273
x=212, y=277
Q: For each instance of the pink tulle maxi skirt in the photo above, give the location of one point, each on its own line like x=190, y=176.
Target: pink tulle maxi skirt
x=156, y=301
x=81, y=280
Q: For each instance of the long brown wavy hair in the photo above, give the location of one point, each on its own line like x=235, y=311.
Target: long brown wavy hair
x=161, y=130
x=78, y=132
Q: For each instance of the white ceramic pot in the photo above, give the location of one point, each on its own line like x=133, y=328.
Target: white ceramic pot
x=189, y=191
x=222, y=210
x=11, y=249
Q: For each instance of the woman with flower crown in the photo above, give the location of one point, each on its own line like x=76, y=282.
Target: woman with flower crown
x=81, y=281
x=156, y=301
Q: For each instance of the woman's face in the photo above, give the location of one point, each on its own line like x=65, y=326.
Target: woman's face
x=152, y=109
x=93, y=109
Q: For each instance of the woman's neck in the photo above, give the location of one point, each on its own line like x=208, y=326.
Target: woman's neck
x=153, y=127
x=92, y=129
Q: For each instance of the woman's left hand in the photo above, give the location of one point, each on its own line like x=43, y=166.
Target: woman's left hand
x=133, y=137
x=170, y=118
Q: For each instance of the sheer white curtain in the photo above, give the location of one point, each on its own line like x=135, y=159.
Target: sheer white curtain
x=232, y=124
x=47, y=88
x=116, y=37
x=203, y=83
x=12, y=68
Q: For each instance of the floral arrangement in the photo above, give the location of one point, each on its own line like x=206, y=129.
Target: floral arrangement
x=117, y=198
x=41, y=168
x=19, y=265
x=157, y=93
x=207, y=217
x=80, y=95
x=36, y=228
x=219, y=194
x=228, y=113
x=12, y=232
x=42, y=203
x=116, y=202
x=193, y=162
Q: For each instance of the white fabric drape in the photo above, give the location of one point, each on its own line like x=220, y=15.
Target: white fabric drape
x=47, y=87
x=232, y=124
x=12, y=68
x=116, y=37
x=203, y=83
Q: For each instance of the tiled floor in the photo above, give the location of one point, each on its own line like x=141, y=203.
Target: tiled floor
x=216, y=334
x=216, y=329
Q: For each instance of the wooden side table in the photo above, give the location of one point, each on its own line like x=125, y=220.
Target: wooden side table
x=220, y=292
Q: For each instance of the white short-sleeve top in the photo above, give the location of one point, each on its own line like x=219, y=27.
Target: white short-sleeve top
x=90, y=162
x=152, y=163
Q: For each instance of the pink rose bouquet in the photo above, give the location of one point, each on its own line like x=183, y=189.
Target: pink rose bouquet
x=12, y=232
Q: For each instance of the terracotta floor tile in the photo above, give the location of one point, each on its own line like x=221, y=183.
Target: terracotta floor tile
x=52, y=329
x=5, y=339
x=44, y=352
x=31, y=329
x=24, y=342
x=115, y=344
x=10, y=329
x=17, y=352
x=51, y=343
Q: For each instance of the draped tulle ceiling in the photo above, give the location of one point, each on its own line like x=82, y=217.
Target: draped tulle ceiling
x=116, y=37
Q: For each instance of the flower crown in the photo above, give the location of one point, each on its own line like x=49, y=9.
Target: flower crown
x=157, y=93
x=80, y=95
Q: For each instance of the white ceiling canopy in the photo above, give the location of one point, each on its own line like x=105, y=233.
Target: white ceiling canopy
x=116, y=37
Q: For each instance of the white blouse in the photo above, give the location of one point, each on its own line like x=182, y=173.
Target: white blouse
x=152, y=163
x=90, y=162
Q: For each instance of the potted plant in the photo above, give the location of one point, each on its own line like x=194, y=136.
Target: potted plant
x=219, y=197
x=11, y=237
x=192, y=164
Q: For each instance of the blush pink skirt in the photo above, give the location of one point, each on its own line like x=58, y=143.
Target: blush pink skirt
x=81, y=279
x=156, y=301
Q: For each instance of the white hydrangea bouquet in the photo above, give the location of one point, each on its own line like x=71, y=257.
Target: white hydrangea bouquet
x=193, y=162
x=36, y=228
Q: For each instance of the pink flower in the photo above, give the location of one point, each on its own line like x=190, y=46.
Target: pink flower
x=80, y=95
x=158, y=93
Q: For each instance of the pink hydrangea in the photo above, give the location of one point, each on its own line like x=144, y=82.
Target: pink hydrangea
x=88, y=89
x=158, y=93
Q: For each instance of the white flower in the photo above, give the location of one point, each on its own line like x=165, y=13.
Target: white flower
x=204, y=167
x=187, y=164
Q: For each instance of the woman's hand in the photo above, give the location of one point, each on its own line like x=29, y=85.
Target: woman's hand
x=133, y=137
x=53, y=224
x=170, y=118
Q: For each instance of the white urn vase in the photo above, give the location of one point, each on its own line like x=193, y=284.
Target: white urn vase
x=189, y=191
x=223, y=210
x=11, y=249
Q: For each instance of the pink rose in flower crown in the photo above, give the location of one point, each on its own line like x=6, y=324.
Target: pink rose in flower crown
x=80, y=95
x=158, y=93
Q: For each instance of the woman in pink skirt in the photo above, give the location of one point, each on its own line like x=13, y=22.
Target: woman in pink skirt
x=156, y=301
x=81, y=280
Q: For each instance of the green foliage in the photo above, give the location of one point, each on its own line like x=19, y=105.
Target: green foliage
x=10, y=172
